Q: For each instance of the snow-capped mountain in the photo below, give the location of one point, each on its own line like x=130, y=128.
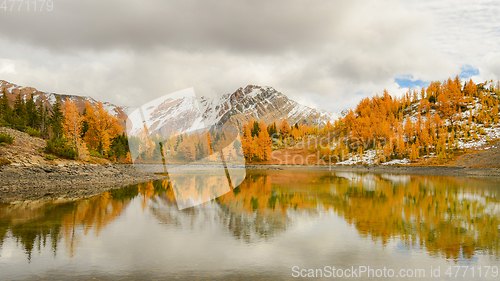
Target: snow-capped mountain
x=173, y=113
x=183, y=111
x=260, y=103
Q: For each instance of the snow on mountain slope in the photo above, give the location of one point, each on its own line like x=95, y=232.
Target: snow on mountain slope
x=261, y=103
x=174, y=113
x=179, y=112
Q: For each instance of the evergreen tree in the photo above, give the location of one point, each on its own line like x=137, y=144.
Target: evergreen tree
x=85, y=124
x=5, y=109
x=44, y=119
x=20, y=119
x=255, y=129
x=237, y=147
x=56, y=120
x=120, y=146
x=33, y=118
x=272, y=130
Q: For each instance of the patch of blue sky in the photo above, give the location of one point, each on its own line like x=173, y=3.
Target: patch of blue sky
x=407, y=81
x=468, y=71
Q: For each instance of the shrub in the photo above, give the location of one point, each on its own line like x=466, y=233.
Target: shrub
x=60, y=148
x=94, y=153
x=33, y=132
x=4, y=123
x=49, y=157
x=6, y=138
x=18, y=127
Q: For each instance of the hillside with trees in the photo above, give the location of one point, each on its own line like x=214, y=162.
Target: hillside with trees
x=433, y=126
x=69, y=134
x=446, y=123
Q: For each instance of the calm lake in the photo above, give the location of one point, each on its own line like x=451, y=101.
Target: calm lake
x=276, y=225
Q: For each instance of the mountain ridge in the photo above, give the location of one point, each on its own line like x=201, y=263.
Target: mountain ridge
x=263, y=103
x=263, y=97
x=49, y=99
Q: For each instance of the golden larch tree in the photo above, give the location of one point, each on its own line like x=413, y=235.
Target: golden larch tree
x=102, y=127
x=146, y=144
x=187, y=149
x=72, y=127
x=284, y=129
x=247, y=142
x=263, y=143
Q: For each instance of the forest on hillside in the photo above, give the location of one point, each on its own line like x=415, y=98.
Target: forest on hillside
x=437, y=123
x=69, y=133
x=431, y=126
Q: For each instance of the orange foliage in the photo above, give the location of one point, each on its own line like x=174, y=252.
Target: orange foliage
x=102, y=127
x=263, y=151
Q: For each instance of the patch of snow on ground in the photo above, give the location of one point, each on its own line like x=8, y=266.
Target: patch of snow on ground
x=404, y=161
x=370, y=158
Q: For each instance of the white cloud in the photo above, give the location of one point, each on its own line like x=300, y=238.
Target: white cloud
x=6, y=66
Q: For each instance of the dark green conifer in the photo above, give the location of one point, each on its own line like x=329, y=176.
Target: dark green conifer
x=56, y=119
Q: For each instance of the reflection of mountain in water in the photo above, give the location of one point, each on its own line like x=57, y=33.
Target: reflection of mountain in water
x=449, y=217
x=250, y=227
x=237, y=211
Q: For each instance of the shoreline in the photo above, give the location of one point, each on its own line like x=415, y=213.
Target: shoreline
x=452, y=171
x=71, y=182
x=65, y=182
x=488, y=173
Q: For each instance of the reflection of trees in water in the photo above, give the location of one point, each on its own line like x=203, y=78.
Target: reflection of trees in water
x=448, y=217
x=255, y=210
x=93, y=214
x=36, y=224
x=253, y=227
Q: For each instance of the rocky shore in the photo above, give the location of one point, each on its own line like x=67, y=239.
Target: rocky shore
x=70, y=182
x=489, y=173
x=48, y=182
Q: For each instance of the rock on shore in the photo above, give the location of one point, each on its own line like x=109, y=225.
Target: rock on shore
x=22, y=183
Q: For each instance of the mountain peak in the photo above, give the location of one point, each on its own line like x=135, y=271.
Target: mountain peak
x=261, y=103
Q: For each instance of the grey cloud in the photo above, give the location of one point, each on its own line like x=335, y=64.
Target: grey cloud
x=237, y=26
x=320, y=52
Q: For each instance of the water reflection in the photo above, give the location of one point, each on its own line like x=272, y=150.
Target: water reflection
x=448, y=217
x=35, y=224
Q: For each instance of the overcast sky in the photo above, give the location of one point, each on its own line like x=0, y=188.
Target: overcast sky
x=325, y=54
